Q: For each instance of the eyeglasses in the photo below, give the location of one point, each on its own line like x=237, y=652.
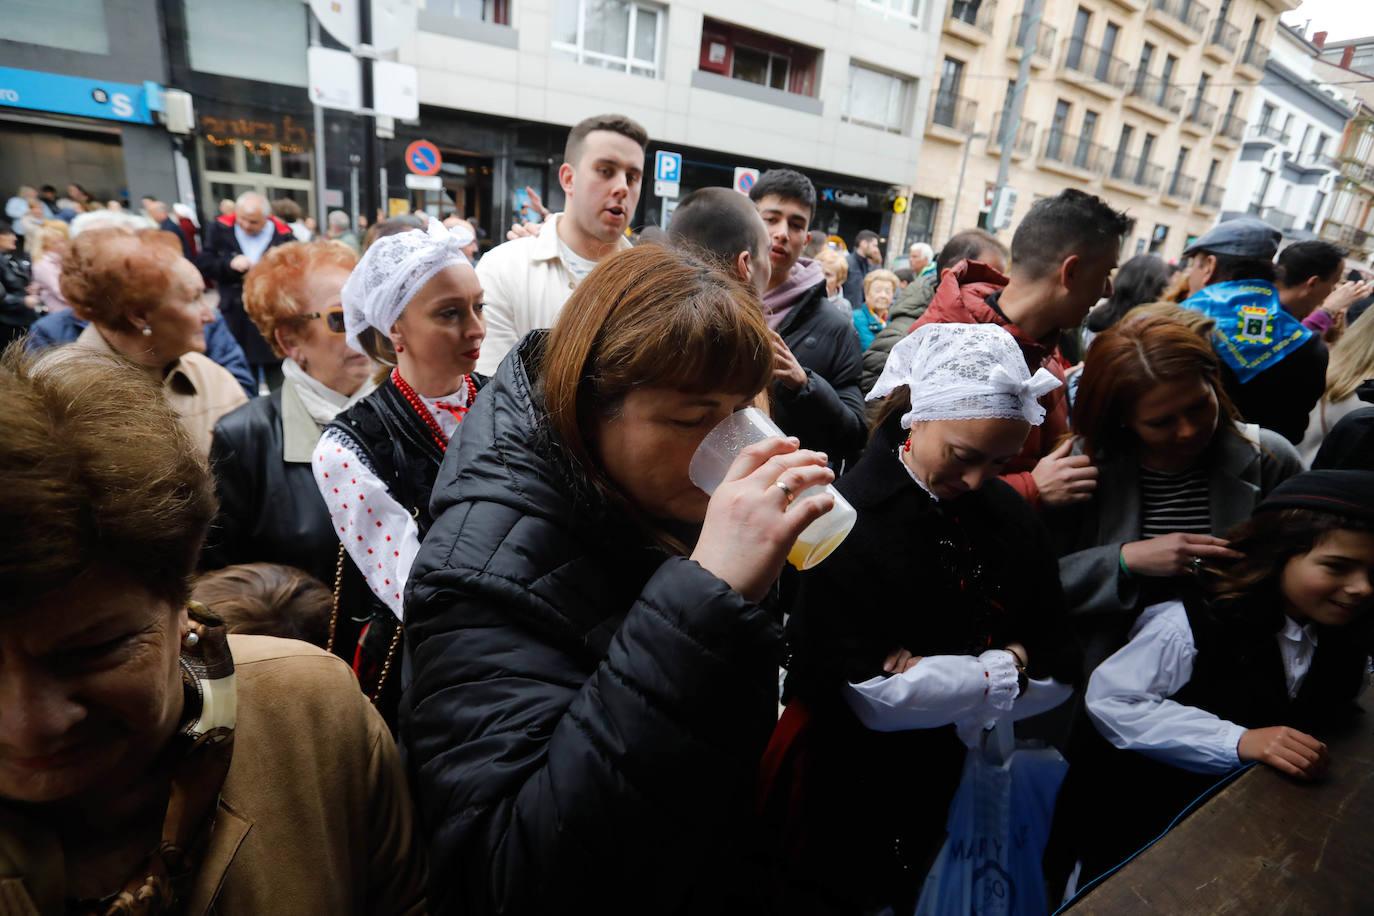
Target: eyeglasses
x=333, y=319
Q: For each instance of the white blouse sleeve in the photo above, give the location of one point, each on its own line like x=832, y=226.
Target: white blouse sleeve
x=379, y=534
x=938, y=690
x=1127, y=698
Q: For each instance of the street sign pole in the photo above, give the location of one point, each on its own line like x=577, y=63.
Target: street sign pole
x=374, y=195
x=1005, y=133
x=320, y=209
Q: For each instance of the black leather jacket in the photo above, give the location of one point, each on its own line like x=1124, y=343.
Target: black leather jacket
x=271, y=510
x=15, y=314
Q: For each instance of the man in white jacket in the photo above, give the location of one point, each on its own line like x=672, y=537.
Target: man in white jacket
x=526, y=281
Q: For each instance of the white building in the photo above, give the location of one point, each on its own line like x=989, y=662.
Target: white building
x=1287, y=168
x=836, y=88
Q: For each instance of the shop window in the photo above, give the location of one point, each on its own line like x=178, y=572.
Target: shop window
x=497, y=12
x=249, y=39
x=71, y=25
x=231, y=166
x=878, y=99
x=756, y=57
x=614, y=34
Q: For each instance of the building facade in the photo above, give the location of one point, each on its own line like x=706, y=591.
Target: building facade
x=80, y=99
x=1142, y=102
x=838, y=90
x=1287, y=169
x=1350, y=221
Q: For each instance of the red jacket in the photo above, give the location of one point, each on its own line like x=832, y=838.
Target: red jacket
x=961, y=298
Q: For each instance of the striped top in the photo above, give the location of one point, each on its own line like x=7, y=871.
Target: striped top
x=1172, y=502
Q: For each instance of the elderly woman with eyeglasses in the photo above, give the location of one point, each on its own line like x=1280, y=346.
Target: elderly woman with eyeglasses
x=270, y=508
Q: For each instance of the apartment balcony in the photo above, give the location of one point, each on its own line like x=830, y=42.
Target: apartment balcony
x=1230, y=131
x=1275, y=217
x=1179, y=189
x=971, y=20
x=951, y=117
x=1267, y=133
x=1184, y=19
x=1154, y=98
x=1134, y=175
x=1021, y=147
x=1253, y=57
x=1209, y=201
x=1333, y=231
x=1318, y=162
x=1093, y=69
x=1076, y=157
x=1200, y=117
x=1222, y=41
x=1045, y=37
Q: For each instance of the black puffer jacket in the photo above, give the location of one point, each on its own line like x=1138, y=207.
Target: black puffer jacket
x=827, y=414
x=586, y=713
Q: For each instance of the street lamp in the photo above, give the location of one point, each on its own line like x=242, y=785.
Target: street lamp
x=959, y=188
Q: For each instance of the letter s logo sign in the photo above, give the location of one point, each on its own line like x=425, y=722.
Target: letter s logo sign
x=123, y=107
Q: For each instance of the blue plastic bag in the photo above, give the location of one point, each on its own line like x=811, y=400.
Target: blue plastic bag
x=997, y=828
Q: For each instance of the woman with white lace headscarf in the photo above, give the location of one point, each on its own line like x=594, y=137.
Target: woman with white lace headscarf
x=413, y=304
x=939, y=616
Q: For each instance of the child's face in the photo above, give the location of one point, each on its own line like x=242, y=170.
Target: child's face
x=1331, y=583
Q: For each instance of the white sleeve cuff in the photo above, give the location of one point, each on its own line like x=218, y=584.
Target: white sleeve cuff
x=936, y=691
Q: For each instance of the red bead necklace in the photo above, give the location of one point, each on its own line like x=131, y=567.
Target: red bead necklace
x=419, y=407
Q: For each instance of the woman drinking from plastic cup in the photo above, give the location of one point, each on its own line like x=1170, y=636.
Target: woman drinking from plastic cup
x=928, y=625
x=594, y=676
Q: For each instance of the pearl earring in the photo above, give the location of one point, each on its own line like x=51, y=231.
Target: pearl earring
x=147, y=331
x=191, y=639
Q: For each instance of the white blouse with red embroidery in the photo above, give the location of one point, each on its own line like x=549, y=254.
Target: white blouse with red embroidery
x=379, y=533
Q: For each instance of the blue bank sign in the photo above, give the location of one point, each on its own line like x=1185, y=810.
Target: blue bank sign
x=79, y=96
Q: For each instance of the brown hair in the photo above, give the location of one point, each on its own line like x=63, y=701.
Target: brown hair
x=650, y=316
x=97, y=469
x=1199, y=323
x=1129, y=359
x=1266, y=542
x=268, y=599
x=616, y=124
x=109, y=272
x=273, y=291
x=286, y=209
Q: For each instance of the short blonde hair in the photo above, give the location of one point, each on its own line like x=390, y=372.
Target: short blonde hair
x=829, y=257
x=881, y=276
x=273, y=291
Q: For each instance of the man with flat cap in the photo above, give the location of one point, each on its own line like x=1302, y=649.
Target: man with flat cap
x=1274, y=369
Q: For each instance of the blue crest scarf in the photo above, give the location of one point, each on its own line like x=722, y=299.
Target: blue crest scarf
x=1253, y=330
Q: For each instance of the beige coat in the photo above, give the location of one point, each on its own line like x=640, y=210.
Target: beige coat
x=199, y=389
x=313, y=817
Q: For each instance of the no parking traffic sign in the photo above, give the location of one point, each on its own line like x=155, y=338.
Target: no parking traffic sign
x=422, y=158
x=745, y=178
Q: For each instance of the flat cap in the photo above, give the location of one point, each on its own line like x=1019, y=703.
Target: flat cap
x=1245, y=237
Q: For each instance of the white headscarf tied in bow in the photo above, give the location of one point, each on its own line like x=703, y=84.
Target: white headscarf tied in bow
x=391, y=272
x=964, y=372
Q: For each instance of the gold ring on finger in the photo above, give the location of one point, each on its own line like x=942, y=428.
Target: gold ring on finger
x=785, y=489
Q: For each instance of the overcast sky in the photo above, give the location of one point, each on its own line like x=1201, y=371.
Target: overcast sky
x=1341, y=19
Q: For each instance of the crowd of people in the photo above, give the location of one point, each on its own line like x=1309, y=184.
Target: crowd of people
x=384, y=586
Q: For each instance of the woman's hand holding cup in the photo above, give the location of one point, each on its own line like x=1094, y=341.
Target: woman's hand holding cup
x=749, y=528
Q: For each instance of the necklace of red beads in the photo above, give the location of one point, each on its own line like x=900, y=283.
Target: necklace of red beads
x=419, y=407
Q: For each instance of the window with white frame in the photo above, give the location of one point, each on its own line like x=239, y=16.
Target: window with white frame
x=615, y=34
x=754, y=65
x=908, y=11
x=879, y=99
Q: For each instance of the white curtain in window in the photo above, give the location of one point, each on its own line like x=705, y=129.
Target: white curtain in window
x=874, y=98
x=71, y=25
x=607, y=27
x=250, y=39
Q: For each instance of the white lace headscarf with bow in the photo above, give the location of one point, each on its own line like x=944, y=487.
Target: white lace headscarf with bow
x=391, y=272
x=964, y=372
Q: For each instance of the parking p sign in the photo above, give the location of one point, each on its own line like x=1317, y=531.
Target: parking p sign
x=667, y=166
